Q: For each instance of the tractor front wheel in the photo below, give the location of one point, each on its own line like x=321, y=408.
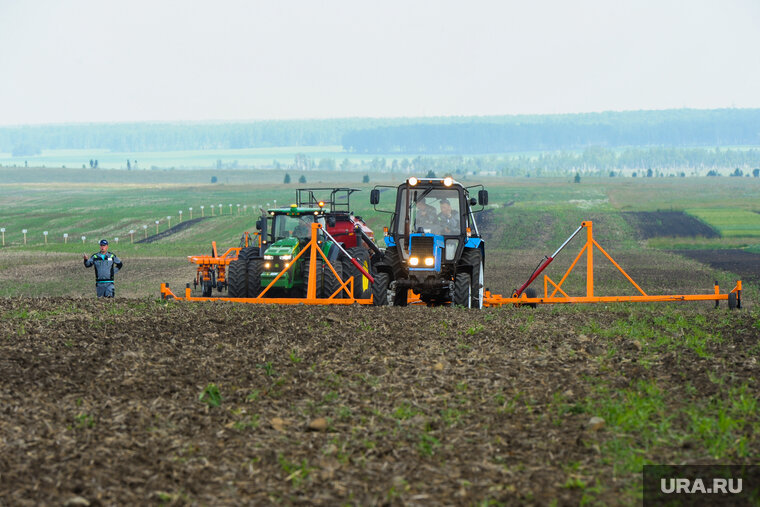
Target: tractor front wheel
x=237, y=279
x=463, y=290
x=380, y=289
x=254, y=270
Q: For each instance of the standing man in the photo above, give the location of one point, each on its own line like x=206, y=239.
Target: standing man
x=106, y=265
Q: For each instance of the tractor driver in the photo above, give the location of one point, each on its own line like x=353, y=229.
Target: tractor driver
x=426, y=218
x=302, y=229
x=448, y=221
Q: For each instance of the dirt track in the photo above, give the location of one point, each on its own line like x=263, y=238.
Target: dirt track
x=100, y=400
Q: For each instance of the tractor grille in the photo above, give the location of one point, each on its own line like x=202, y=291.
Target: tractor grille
x=422, y=246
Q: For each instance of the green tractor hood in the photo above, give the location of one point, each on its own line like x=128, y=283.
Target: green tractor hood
x=285, y=246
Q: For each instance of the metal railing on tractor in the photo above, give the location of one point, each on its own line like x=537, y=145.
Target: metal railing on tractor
x=519, y=297
x=314, y=251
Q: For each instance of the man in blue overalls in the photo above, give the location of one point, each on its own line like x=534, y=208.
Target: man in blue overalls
x=106, y=265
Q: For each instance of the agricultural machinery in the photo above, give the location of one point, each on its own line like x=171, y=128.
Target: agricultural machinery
x=433, y=244
x=345, y=240
x=317, y=252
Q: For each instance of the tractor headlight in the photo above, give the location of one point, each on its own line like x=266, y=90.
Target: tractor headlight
x=412, y=181
x=266, y=265
x=413, y=261
x=285, y=257
x=448, y=181
x=429, y=261
x=269, y=257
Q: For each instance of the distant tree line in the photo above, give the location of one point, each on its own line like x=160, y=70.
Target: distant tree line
x=678, y=128
x=439, y=135
x=646, y=162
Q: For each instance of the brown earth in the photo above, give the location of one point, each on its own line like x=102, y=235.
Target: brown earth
x=101, y=401
x=745, y=264
x=653, y=224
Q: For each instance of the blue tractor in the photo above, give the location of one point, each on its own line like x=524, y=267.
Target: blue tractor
x=433, y=246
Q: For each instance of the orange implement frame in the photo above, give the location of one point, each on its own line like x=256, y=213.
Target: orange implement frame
x=345, y=290
x=498, y=300
x=208, y=263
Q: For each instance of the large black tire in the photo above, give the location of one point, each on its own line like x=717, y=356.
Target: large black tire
x=473, y=258
x=401, y=297
x=254, y=269
x=237, y=274
x=380, y=289
x=329, y=283
x=362, y=287
x=463, y=289
x=237, y=279
x=319, y=278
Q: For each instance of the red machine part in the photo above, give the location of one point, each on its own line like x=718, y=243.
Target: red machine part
x=343, y=230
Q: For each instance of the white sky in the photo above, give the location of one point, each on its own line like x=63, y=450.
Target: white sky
x=135, y=60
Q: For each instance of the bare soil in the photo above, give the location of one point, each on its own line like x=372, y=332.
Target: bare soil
x=653, y=224
x=745, y=264
x=100, y=400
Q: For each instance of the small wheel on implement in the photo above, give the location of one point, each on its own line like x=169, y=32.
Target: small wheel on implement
x=531, y=293
x=732, y=301
x=207, y=288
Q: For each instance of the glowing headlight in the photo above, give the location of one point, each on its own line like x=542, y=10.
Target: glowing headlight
x=269, y=257
x=429, y=261
x=287, y=264
x=266, y=265
x=448, y=181
x=413, y=261
x=285, y=257
x=412, y=181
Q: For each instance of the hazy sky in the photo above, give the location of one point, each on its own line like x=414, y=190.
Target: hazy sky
x=132, y=60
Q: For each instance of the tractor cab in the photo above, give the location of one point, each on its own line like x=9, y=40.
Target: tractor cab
x=284, y=232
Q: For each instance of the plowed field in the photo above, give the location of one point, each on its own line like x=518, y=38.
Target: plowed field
x=146, y=402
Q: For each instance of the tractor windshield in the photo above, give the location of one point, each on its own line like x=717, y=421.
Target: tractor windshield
x=430, y=210
x=286, y=226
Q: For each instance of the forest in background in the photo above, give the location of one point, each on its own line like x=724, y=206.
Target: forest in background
x=440, y=135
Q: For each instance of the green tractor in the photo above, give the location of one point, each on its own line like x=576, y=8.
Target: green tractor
x=284, y=232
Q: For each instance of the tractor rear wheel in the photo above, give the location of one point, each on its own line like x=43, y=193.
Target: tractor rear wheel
x=463, y=290
x=380, y=289
x=254, y=269
x=362, y=288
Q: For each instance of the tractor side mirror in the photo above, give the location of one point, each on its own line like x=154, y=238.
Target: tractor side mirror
x=473, y=201
x=330, y=221
x=258, y=224
x=483, y=197
x=374, y=196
